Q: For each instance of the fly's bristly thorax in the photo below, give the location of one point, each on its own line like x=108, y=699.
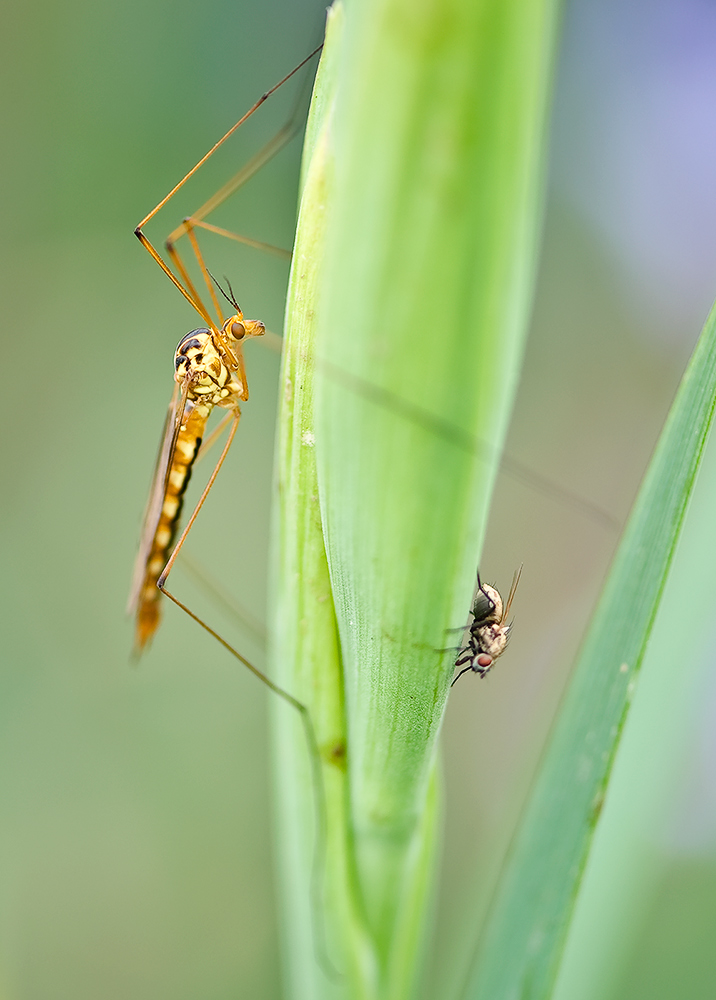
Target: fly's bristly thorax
x=493, y=639
x=487, y=609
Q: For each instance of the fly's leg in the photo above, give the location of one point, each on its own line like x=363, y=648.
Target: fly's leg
x=465, y=670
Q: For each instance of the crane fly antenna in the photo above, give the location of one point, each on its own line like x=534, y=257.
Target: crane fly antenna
x=231, y=292
x=231, y=298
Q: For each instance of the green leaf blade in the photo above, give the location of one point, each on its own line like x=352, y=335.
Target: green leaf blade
x=525, y=937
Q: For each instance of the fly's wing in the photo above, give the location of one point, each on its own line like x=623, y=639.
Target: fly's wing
x=153, y=509
x=511, y=595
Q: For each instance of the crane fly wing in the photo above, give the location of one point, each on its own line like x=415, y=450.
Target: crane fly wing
x=157, y=492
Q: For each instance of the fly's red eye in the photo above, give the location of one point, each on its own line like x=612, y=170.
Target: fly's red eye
x=484, y=661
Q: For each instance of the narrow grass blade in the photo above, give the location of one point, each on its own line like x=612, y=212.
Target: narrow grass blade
x=527, y=928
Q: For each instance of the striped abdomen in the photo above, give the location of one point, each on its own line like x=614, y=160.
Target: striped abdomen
x=159, y=550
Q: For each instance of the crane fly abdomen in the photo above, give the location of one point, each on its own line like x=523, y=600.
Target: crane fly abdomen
x=177, y=479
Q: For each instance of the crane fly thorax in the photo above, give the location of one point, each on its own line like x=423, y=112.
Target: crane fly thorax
x=199, y=361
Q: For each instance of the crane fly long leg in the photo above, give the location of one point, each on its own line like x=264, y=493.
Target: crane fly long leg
x=196, y=219
x=246, y=172
x=257, y=161
x=193, y=300
x=318, y=783
x=211, y=285
x=206, y=582
x=246, y=241
x=299, y=706
x=223, y=139
x=187, y=229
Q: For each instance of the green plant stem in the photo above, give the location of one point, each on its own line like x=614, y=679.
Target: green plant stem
x=432, y=196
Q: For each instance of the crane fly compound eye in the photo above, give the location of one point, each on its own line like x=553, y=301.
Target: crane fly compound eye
x=238, y=330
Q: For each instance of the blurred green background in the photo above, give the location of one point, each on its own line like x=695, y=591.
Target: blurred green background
x=135, y=839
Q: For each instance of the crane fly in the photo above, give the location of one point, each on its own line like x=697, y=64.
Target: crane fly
x=209, y=373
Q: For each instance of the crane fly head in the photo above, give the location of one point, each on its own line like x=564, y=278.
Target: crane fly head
x=237, y=329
